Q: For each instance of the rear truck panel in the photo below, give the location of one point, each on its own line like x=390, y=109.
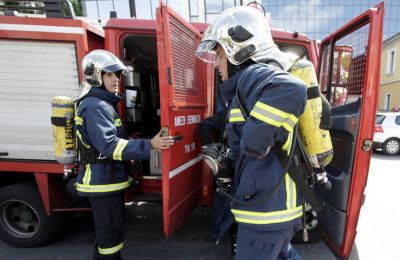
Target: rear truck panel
x=349, y=76
x=42, y=58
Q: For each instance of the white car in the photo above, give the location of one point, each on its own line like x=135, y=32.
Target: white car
x=387, y=132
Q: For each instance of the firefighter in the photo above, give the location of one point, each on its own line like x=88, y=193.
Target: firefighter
x=263, y=114
x=215, y=125
x=105, y=152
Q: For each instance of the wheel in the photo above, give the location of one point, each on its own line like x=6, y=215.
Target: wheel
x=23, y=220
x=391, y=146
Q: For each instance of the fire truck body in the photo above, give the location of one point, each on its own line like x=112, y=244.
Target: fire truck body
x=168, y=87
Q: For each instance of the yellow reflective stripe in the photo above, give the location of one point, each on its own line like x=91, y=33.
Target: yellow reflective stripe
x=288, y=144
x=274, y=116
x=87, y=175
x=294, y=200
x=117, y=155
x=111, y=250
x=80, y=138
x=117, y=122
x=288, y=191
x=236, y=111
x=78, y=120
x=265, y=119
x=104, y=187
x=236, y=115
x=291, y=194
x=252, y=217
x=236, y=119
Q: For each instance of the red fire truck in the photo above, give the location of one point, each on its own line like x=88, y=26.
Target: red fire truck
x=170, y=88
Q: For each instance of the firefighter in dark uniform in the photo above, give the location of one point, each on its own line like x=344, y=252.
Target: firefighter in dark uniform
x=262, y=117
x=105, y=152
x=211, y=129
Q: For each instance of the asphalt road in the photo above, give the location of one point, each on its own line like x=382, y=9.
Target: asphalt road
x=378, y=229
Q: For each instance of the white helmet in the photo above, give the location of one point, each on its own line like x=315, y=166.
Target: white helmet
x=98, y=61
x=242, y=31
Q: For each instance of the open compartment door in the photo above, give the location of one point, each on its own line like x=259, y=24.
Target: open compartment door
x=182, y=105
x=349, y=74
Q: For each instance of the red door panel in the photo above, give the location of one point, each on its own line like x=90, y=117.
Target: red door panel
x=183, y=105
x=349, y=76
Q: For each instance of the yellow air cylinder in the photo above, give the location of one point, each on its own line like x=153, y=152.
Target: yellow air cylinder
x=62, y=119
x=317, y=142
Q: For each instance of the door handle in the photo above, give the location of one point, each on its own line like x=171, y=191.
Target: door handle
x=367, y=145
x=3, y=153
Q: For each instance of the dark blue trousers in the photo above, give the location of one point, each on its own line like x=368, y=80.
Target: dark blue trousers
x=109, y=215
x=266, y=245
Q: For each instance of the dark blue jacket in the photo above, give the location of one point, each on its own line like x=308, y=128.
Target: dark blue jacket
x=274, y=99
x=98, y=126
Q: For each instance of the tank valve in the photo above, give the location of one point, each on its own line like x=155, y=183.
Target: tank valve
x=305, y=235
x=323, y=179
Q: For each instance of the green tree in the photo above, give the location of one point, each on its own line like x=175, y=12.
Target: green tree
x=77, y=5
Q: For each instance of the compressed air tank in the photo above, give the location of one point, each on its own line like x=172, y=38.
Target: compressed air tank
x=62, y=119
x=314, y=122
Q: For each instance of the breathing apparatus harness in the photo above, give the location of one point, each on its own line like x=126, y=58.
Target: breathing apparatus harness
x=87, y=153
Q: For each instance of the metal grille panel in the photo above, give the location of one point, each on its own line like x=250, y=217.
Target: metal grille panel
x=348, y=68
x=187, y=76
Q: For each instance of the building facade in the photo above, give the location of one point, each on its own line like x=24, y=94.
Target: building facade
x=191, y=10
x=389, y=93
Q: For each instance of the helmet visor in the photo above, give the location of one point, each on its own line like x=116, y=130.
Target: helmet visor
x=116, y=68
x=206, y=51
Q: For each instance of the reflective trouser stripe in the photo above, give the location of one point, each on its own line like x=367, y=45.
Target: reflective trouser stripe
x=291, y=194
x=252, y=217
x=87, y=176
x=274, y=116
x=104, y=187
x=117, y=155
x=111, y=250
x=236, y=115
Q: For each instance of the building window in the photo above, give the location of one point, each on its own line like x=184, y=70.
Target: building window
x=391, y=58
x=194, y=8
x=387, y=101
x=214, y=6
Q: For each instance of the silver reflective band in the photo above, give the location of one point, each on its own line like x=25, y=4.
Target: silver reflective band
x=104, y=187
x=251, y=217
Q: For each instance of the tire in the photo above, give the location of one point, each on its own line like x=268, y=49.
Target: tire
x=391, y=146
x=23, y=220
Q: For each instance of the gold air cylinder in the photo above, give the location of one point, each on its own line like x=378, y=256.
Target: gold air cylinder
x=317, y=141
x=62, y=119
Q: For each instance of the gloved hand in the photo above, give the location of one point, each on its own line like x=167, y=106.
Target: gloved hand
x=215, y=155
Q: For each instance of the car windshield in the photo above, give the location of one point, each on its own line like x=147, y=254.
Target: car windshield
x=379, y=119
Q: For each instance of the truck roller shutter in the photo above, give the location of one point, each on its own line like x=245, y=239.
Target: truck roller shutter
x=31, y=73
